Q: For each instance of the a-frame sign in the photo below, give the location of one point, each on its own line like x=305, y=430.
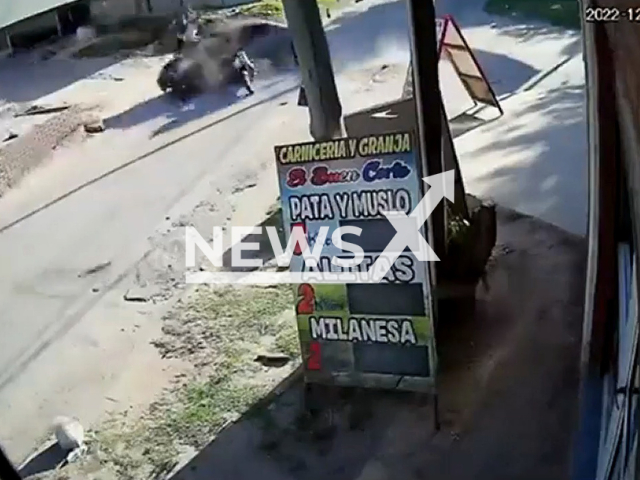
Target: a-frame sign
x=453, y=46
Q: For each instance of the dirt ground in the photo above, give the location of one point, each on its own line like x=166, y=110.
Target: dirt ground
x=508, y=389
x=508, y=385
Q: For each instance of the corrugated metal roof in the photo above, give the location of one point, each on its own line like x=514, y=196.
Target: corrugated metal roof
x=12, y=11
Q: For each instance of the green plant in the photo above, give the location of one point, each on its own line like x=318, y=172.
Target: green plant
x=562, y=13
x=274, y=8
x=233, y=323
x=458, y=227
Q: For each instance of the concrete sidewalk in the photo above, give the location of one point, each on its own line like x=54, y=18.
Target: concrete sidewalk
x=534, y=158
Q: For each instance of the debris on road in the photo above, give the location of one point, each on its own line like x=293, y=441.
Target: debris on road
x=96, y=269
x=42, y=110
x=136, y=295
x=10, y=136
x=31, y=148
x=94, y=126
x=106, y=76
x=70, y=436
x=244, y=186
x=273, y=360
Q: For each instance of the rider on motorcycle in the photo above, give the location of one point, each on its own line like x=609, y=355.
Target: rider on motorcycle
x=245, y=66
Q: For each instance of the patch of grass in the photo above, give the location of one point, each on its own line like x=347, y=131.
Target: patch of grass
x=274, y=9
x=562, y=13
x=234, y=323
x=239, y=313
x=287, y=340
x=265, y=8
x=208, y=406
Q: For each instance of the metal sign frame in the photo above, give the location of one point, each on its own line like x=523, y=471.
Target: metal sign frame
x=454, y=45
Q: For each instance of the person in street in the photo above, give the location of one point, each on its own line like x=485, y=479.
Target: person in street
x=242, y=61
x=243, y=64
x=302, y=94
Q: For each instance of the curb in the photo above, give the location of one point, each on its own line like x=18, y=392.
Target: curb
x=528, y=85
x=536, y=79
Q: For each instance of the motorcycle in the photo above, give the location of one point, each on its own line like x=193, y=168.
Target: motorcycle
x=184, y=77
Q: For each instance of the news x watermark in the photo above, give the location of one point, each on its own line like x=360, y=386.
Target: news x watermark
x=344, y=269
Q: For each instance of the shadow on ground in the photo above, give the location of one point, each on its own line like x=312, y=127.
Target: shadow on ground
x=505, y=74
x=380, y=33
x=377, y=32
x=534, y=159
x=175, y=113
x=466, y=123
x=508, y=386
x=25, y=77
x=22, y=80
x=264, y=251
x=471, y=13
x=44, y=461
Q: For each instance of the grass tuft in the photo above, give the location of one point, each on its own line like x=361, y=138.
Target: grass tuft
x=274, y=9
x=234, y=323
x=561, y=13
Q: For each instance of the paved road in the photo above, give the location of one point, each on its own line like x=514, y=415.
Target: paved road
x=43, y=292
x=43, y=256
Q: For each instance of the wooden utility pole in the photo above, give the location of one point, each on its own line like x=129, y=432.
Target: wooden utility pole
x=7, y=470
x=310, y=43
x=426, y=92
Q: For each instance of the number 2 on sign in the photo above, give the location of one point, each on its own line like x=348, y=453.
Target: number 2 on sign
x=313, y=362
x=306, y=306
x=306, y=300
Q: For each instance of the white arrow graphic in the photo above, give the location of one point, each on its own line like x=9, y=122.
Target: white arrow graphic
x=408, y=227
x=387, y=114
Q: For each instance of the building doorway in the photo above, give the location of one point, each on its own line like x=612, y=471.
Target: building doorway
x=72, y=16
